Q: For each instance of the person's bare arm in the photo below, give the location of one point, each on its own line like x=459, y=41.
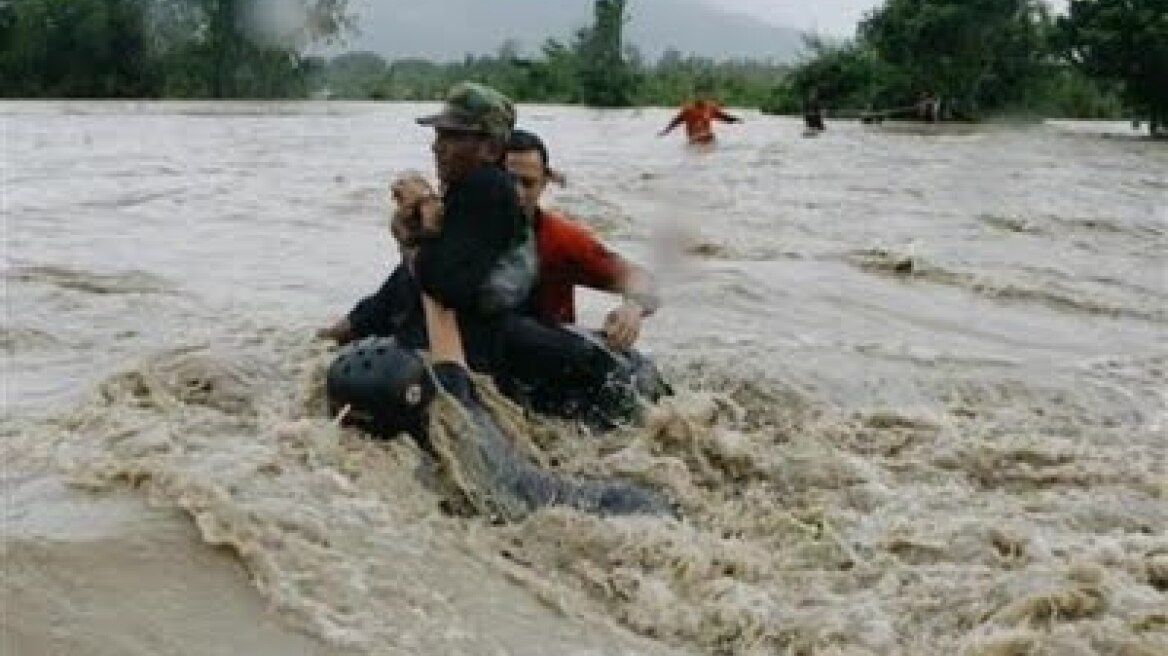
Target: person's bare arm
x=442, y=329
x=728, y=118
x=595, y=266
x=672, y=124
x=416, y=206
x=622, y=325
x=340, y=332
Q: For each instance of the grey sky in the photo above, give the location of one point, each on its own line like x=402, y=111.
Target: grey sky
x=837, y=17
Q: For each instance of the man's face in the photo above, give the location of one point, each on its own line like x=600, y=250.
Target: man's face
x=456, y=153
x=528, y=169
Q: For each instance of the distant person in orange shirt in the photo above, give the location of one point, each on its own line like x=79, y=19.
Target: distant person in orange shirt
x=699, y=116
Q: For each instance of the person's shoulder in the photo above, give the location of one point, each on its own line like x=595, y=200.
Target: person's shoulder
x=558, y=222
x=558, y=228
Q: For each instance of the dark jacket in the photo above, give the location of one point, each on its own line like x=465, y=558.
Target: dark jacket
x=394, y=310
x=481, y=221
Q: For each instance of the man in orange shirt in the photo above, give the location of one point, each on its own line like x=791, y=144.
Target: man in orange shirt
x=699, y=116
x=554, y=366
x=571, y=256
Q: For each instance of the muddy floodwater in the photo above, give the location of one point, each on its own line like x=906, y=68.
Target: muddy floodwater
x=921, y=376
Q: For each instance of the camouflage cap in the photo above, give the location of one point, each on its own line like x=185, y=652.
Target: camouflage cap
x=473, y=107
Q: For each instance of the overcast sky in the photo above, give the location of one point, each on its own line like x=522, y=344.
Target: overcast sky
x=838, y=17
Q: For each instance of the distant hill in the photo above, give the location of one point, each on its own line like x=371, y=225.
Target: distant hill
x=447, y=30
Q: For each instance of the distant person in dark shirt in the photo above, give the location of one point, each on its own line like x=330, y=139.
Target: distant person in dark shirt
x=813, y=113
x=928, y=107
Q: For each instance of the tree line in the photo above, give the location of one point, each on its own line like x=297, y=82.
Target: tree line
x=160, y=48
x=1103, y=59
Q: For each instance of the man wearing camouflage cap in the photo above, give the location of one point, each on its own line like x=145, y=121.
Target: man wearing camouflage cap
x=476, y=253
x=475, y=108
x=462, y=245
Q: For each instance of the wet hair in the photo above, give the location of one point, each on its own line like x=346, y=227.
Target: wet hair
x=522, y=141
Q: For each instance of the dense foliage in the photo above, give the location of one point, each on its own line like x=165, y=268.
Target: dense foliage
x=153, y=48
x=1125, y=41
x=978, y=56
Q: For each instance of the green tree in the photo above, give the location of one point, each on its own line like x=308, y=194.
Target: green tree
x=355, y=75
x=605, y=78
x=553, y=77
x=1125, y=41
x=75, y=48
x=224, y=48
x=848, y=76
x=110, y=48
x=982, y=53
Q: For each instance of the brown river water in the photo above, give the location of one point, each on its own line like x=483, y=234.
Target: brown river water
x=922, y=399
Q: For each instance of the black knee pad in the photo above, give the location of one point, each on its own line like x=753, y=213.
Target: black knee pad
x=386, y=387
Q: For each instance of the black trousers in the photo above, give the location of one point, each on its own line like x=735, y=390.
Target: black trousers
x=532, y=351
x=565, y=372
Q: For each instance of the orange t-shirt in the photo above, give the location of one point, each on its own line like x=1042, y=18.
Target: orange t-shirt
x=569, y=255
x=698, y=117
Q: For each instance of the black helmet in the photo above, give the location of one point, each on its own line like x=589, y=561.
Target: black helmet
x=386, y=387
